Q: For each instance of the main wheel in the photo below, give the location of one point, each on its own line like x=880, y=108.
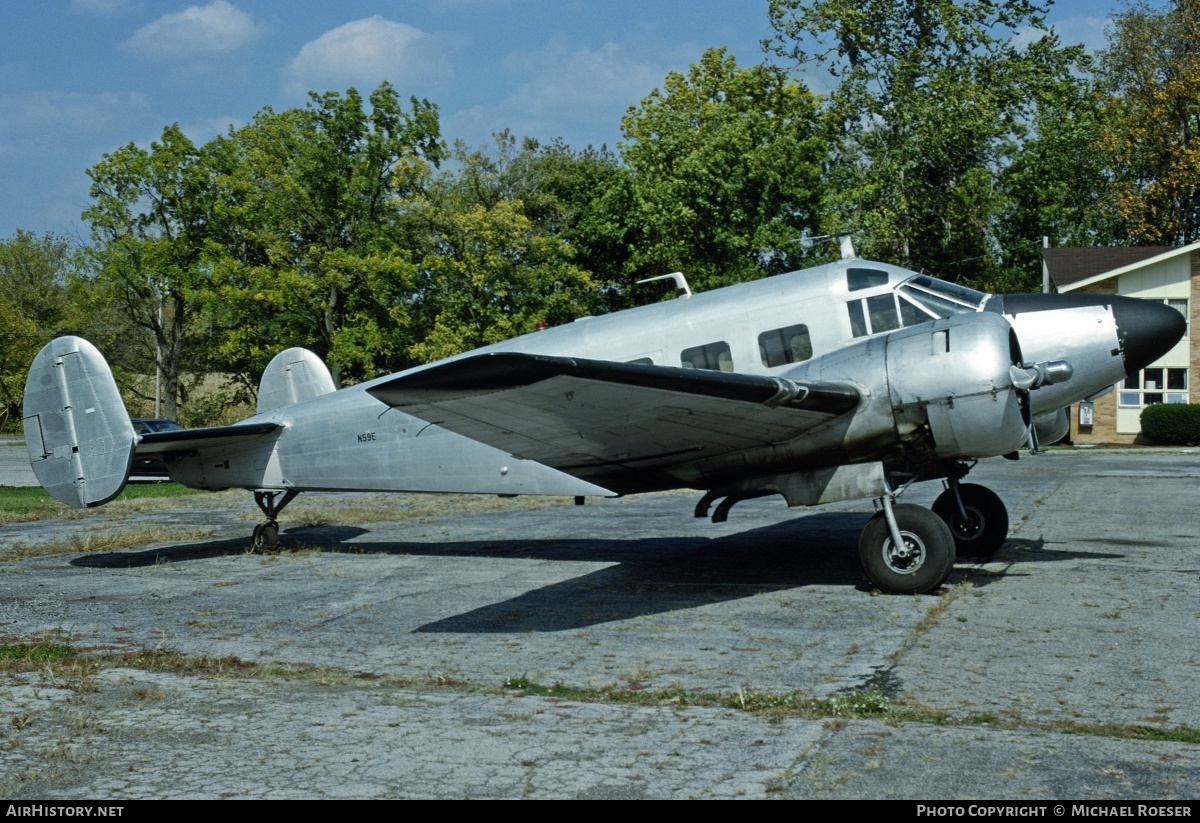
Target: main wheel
x=920, y=565
x=986, y=526
x=266, y=536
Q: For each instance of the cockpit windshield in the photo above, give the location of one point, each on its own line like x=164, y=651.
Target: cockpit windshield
x=939, y=298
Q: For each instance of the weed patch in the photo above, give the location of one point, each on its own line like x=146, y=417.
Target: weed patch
x=105, y=540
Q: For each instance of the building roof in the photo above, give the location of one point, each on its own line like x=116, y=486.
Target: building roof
x=1071, y=268
x=1068, y=265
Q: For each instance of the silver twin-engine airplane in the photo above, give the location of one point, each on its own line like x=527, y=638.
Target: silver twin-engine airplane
x=849, y=380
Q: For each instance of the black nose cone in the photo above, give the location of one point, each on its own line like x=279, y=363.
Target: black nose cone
x=1146, y=329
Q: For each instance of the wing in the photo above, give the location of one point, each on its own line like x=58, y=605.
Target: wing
x=621, y=425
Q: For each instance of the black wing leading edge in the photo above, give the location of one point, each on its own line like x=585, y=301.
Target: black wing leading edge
x=603, y=420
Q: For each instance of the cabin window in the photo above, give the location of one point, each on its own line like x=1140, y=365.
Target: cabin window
x=857, y=279
x=779, y=347
x=710, y=356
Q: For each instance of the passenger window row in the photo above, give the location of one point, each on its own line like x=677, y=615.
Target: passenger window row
x=777, y=347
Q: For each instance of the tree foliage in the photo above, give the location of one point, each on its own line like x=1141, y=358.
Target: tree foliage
x=726, y=170
x=957, y=134
x=496, y=257
x=154, y=219
x=313, y=251
x=932, y=97
x=34, y=307
x=1151, y=127
x=1056, y=186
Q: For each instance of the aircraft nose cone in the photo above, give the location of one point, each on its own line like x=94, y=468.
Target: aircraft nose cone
x=1146, y=329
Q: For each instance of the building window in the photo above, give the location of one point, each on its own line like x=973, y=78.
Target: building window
x=1157, y=385
x=779, y=347
x=711, y=356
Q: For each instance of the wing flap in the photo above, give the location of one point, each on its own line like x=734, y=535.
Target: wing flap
x=595, y=418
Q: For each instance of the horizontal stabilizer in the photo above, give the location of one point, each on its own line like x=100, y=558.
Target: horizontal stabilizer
x=597, y=419
x=77, y=432
x=190, y=440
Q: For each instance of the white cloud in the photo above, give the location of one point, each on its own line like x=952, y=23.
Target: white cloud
x=366, y=52
x=578, y=94
x=217, y=28
x=1088, y=31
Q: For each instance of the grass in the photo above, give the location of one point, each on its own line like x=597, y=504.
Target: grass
x=107, y=540
x=19, y=504
x=58, y=662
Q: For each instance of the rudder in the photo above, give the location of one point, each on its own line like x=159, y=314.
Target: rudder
x=77, y=431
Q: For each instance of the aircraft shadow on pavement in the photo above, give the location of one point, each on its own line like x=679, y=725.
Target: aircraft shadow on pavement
x=655, y=575
x=649, y=575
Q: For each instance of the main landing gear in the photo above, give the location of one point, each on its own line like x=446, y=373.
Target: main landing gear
x=266, y=535
x=906, y=549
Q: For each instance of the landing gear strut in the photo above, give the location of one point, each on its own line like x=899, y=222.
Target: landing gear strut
x=266, y=535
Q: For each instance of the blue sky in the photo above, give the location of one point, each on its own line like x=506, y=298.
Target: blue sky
x=79, y=78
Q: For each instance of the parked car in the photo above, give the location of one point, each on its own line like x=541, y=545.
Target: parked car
x=151, y=469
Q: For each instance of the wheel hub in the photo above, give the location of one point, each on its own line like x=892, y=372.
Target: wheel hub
x=970, y=528
x=906, y=558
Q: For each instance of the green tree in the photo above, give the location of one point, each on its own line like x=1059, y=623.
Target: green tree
x=496, y=259
x=583, y=198
x=1056, y=186
x=153, y=221
x=1151, y=72
x=493, y=275
x=930, y=102
x=726, y=164
x=34, y=307
x=315, y=253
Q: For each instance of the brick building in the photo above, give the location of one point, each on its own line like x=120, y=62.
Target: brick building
x=1167, y=274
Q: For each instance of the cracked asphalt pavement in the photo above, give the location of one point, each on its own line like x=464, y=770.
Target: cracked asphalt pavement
x=389, y=646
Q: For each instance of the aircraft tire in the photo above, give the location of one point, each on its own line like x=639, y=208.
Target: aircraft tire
x=987, y=526
x=266, y=536
x=923, y=564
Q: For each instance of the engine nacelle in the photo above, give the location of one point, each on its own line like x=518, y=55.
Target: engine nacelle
x=950, y=384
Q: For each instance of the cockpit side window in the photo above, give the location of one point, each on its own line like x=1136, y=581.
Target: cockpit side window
x=882, y=310
x=886, y=312
x=918, y=299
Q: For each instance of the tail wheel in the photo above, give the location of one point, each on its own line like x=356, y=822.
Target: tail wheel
x=920, y=565
x=986, y=526
x=266, y=537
